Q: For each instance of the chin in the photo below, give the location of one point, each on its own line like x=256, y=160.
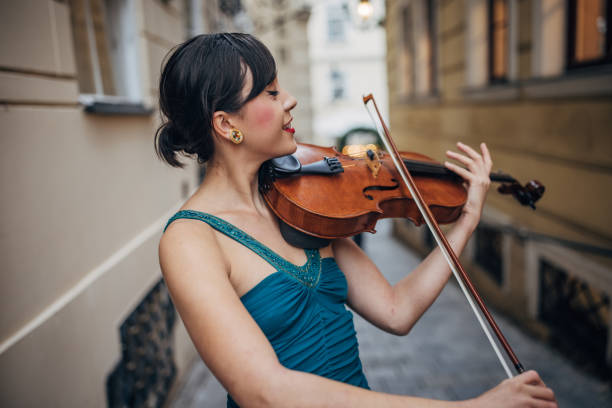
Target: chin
x=283, y=147
x=288, y=147
x=293, y=145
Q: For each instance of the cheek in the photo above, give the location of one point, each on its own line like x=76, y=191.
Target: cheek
x=264, y=116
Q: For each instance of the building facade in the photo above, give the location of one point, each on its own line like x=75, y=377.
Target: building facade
x=86, y=318
x=347, y=60
x=533, y=80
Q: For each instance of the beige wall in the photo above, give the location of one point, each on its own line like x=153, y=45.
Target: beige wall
x=84, y=199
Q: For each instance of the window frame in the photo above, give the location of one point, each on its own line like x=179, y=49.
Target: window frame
x=410, y=71
x=337, y=79
x=481, y=86
x=557, y=80
x=336, y=19
x=492, y=78
x=570, y=15
x=432, y=31
x=407, y=66
x=123, y=59
x=550, y=76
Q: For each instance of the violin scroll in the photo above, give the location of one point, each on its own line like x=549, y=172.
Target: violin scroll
x=526, y=195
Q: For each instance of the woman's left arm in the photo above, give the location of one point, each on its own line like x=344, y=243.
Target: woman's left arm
x=397, y=308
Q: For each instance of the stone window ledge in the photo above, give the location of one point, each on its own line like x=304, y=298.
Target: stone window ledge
x=591, y=81
x=583, y=82
x=113, y=105
x=497, y=92
x=419, y=99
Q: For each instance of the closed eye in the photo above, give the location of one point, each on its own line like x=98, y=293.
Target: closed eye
x=273, y=93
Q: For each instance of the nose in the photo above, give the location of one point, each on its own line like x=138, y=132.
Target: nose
x=290, y=102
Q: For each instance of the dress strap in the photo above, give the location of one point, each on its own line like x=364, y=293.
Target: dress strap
x=308, y=273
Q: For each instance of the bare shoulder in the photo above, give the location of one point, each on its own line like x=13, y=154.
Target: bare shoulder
x=227, y=338
x=187, y=243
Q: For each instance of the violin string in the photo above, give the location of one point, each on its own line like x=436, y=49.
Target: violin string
x=446, y=255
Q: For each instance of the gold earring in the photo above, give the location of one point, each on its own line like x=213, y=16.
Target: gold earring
x=237, y=136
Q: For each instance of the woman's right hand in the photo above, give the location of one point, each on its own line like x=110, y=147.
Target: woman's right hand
x=524, y=390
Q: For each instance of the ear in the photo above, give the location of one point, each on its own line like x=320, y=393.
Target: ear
x=221, y=124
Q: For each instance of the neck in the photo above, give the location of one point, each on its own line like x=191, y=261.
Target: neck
x=233, y=183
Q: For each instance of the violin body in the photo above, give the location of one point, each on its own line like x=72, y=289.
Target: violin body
x=350, y=202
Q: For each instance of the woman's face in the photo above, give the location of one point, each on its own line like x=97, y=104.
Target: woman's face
x=265, y=120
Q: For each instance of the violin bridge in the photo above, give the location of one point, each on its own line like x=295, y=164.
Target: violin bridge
x=369, y=153
x=373, y=162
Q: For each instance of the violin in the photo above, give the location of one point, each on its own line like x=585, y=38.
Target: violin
x=328, y=194
x=320, y=194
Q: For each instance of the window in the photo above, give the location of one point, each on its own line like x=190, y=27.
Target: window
x=431, y=47
x=335, y=24
x=105, y=40
x=493, y=54
x=337, y=85
x=567, y=36
x=577, y=314
x=147, y=366
x=417, y=61
x=498, y=40
x=489, y=252
x=407, y=67
x=589, y=40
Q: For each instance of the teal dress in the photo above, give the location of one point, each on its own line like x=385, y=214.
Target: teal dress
x=300, y=309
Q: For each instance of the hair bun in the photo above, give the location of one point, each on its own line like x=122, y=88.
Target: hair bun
x=169, y=140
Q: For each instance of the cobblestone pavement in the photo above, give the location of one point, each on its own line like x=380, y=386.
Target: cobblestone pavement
x=445, y=356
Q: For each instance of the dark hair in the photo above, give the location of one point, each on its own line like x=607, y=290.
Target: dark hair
x=203, y=75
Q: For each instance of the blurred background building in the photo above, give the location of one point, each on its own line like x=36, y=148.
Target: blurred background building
x=532, y=79
x=347, y=61
x=282, y=25
x=86, y=318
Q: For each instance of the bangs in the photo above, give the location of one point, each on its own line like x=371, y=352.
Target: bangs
x=256, y=56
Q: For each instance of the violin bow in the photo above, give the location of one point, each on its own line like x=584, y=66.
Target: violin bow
x=461, y=276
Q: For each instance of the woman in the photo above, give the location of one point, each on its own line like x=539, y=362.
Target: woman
x=269, y=319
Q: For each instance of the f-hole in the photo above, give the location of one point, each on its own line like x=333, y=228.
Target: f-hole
x=369, y=197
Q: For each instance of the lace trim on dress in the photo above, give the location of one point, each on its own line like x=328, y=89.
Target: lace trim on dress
x=308, y=274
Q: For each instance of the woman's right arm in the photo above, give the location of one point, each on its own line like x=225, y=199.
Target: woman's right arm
x=236, y=350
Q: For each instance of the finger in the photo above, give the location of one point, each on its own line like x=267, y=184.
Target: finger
x=460, y=158
x=543, y=404
x=540, y=392
x=530, y=377
x=537, y=381
x=469, y=151
x=486, y=155
x=459, y=170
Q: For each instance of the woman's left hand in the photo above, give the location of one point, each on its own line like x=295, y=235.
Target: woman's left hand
x=476, y=175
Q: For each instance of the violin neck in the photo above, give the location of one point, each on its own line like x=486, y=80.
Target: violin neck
x=420, y=168
x=501, y=177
